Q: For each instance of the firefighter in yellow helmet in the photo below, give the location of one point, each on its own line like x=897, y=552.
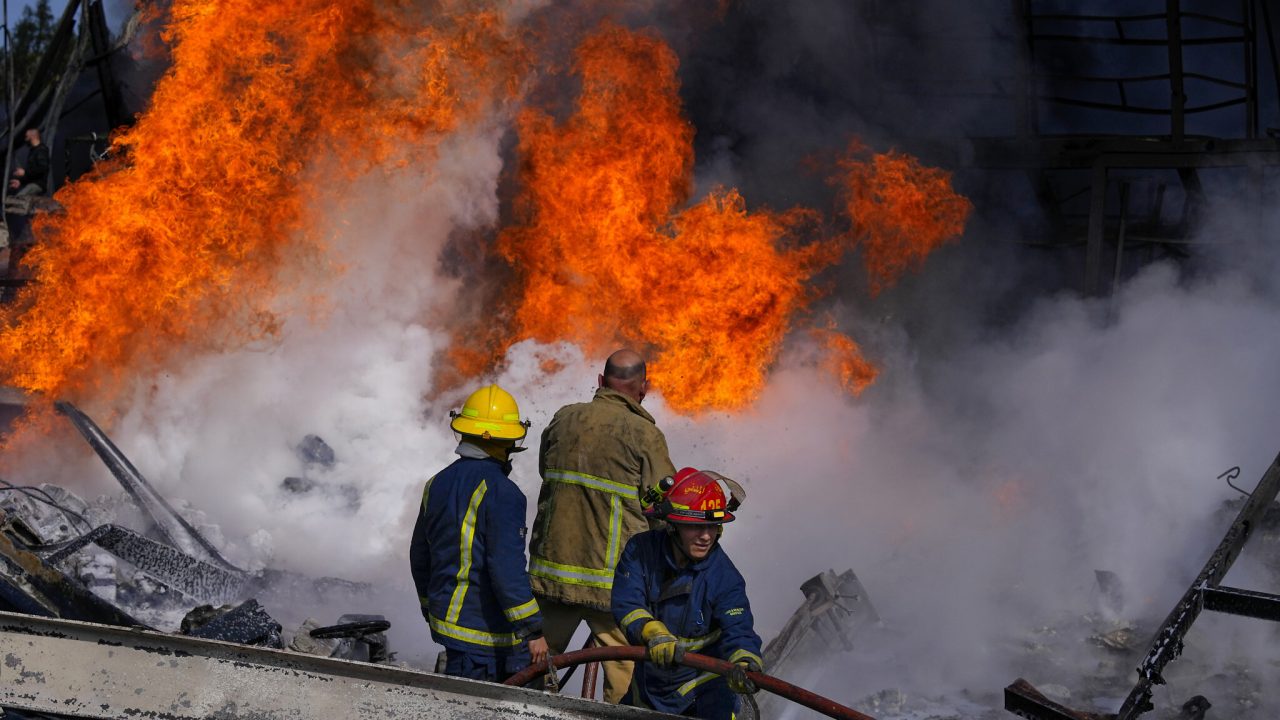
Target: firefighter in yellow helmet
x=467, y=553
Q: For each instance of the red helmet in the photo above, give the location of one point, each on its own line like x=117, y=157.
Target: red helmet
x=695, y=498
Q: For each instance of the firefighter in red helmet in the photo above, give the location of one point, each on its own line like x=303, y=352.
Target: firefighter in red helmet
x=676, y=590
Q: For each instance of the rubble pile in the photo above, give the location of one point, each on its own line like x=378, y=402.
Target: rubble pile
x=1083, y=663
x=61, y=556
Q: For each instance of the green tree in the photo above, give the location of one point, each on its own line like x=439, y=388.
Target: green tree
x=28, y=40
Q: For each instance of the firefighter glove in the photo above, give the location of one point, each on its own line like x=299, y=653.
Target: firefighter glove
x=662, y=644
x=738, y=680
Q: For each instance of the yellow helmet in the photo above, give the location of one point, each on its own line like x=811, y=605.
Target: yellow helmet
x=490, y=413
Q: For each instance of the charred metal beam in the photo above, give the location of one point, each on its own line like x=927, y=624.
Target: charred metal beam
x=1022, y=699
x=37, y=93
x=1167, y=644
x=191, y=576
x=100, y=38
x=46, y=586
x=1247, y=603
x=835, y=608
x=1122, y=152
x=165, y=519
x=16, y=598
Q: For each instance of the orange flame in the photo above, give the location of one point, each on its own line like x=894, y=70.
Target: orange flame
x=182, y=241
x=271, y=110
x=901, y=211
x=843, y=359
x=604, y=254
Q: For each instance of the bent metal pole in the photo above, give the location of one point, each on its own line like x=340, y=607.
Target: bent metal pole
x=782, y=688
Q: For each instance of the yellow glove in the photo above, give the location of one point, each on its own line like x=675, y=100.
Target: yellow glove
x=662, y=644
x=738, y=680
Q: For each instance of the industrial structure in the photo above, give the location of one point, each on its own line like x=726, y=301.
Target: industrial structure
x=1120, y=122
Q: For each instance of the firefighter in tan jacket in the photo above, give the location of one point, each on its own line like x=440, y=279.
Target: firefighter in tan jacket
x=597, y=460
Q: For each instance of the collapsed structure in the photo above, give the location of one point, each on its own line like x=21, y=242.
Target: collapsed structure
x=84, y=607
x=1206, y=593
x=168, y=575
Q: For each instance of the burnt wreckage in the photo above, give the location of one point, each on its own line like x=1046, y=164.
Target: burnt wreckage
x=81, y=607
x=81, y=599
x=1205, y=593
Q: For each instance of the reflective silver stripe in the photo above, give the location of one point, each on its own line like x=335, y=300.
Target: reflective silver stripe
x=635, y=615
x=571, y=575
x=688, y=687
x=471, y=635
x=695, y=644
x=576, y=575
x=521, y=611
x=593, y=482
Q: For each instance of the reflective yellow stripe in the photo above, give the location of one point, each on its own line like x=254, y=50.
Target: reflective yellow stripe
x=635, y=615
x=468, y=535
x=571, y=575
x=593, y=482
x=615, y=533
x=574, y=574
x=740, y=654
x=688, y=687
x=695, y=644
x=521, y=612
x=426, y=491
x=479, y=637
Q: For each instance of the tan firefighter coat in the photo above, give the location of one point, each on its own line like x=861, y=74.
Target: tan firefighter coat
x=596, y=460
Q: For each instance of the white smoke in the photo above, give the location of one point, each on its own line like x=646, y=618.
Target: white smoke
x=974, y=488
x=975, y=492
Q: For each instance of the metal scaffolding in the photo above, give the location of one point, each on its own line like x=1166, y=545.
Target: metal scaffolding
x=1105, y=75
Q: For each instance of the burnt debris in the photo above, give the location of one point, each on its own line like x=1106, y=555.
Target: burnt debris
x=60, y=558
x=1204, y=593
x=247, y=624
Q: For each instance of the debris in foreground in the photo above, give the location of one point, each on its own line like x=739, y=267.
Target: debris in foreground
x=55, y=667
x=1205, y=593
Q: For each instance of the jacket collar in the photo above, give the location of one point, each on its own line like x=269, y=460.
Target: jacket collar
x=471, y=452
x=613, y=396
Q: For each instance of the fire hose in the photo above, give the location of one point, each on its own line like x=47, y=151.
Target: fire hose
x=782, y=688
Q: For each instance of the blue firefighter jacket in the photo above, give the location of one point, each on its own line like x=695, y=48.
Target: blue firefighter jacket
x=468, y=561
x=704, y=604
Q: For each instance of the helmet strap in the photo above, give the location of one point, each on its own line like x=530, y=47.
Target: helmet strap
x=673, y=536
